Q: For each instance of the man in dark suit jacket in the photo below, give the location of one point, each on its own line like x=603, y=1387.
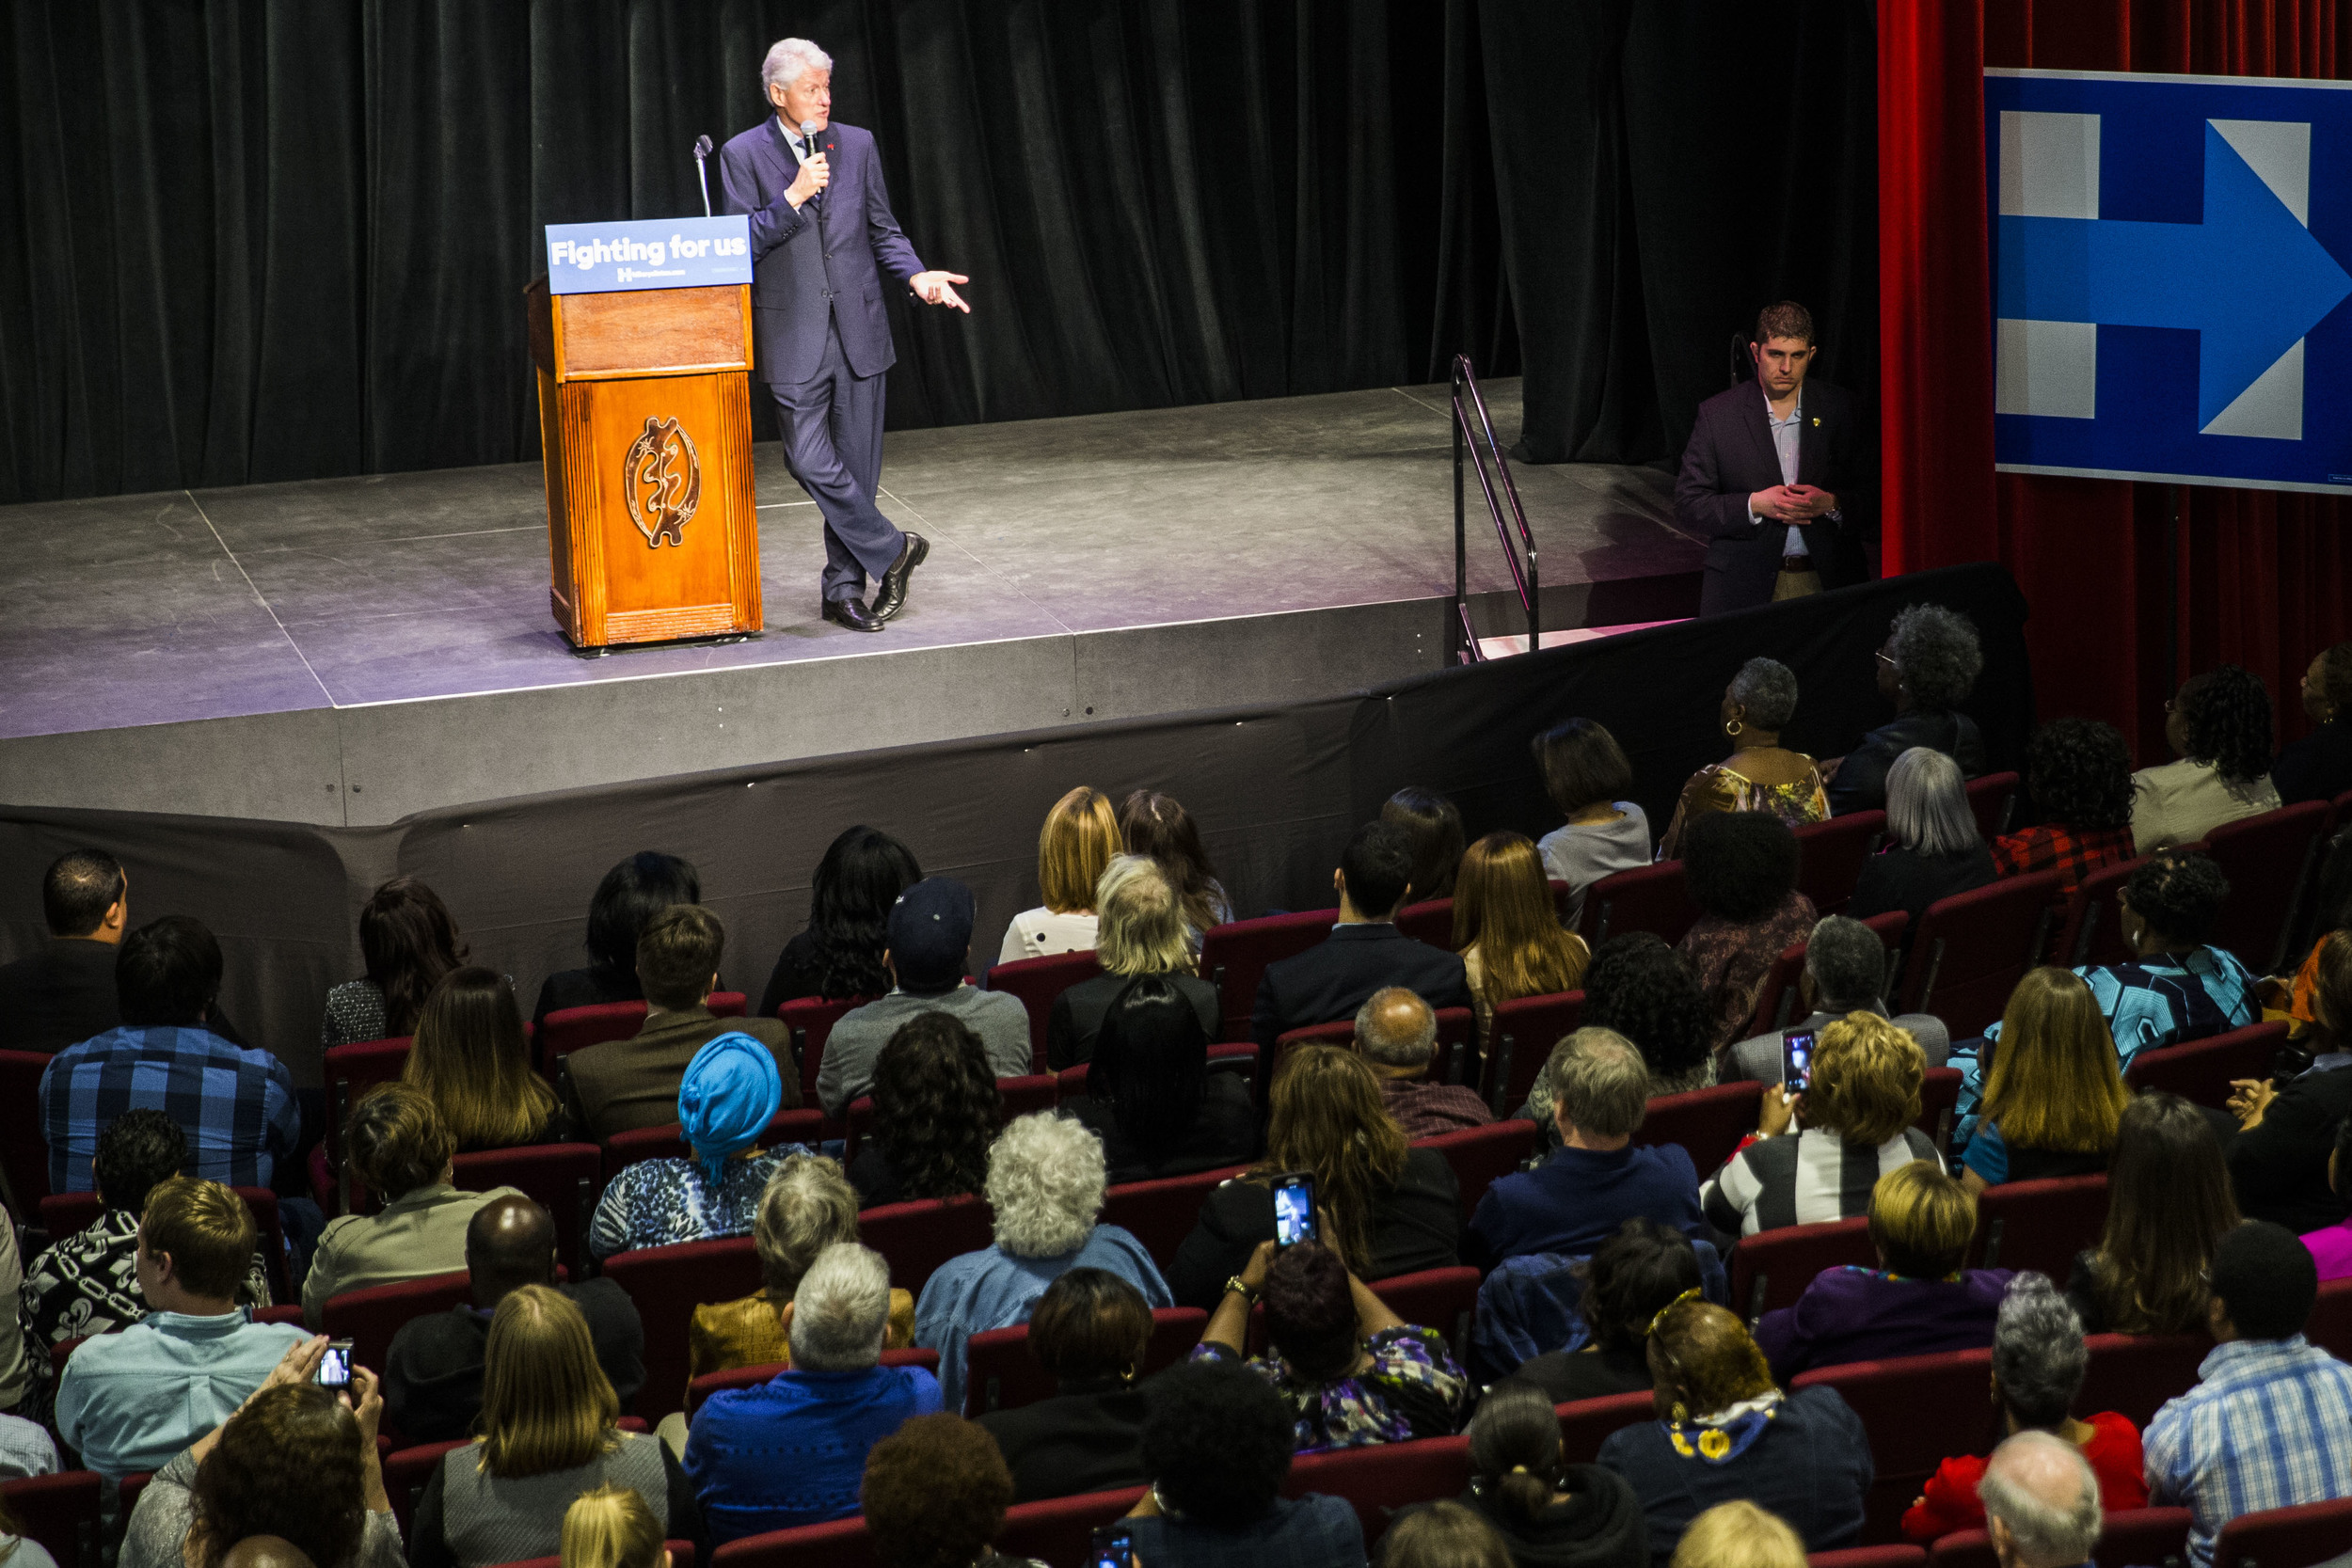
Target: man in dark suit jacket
x=1364, y=952
x=65, y=993
x=1772, y=477
x=821, y=234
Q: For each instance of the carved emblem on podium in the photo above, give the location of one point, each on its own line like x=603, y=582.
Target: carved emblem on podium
x=662, y=479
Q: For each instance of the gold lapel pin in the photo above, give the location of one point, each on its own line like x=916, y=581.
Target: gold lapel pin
x=1817, y=421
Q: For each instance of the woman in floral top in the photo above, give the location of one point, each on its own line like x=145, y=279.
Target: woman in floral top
x=1353, y=1371
x=729, y=1094
x=1760, y=774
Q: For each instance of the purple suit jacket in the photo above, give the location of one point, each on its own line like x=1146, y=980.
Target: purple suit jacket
x=1852, y=1314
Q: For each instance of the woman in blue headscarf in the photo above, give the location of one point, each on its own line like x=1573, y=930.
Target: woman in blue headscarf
x=731, y=1091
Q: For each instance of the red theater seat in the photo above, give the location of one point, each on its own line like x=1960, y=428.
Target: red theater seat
x=810, y=1020
x=1001, y=1374
x=1971, y=949
x=1037, y=982
x=406, y=1472
x=2201, y=1071
x=2134, y=1374
x=2091, y=930
x=2040, y=1225
x=1061, y=1530
x=1939, y=1097
x=1653, y=898
x=1772, y=1268
x=1989, y=800
x=1442, y=1299
x=1233, y=957
x=1431, y=922
x=2330, y=1324
x=369, y=1318
x=59, y=1510
x=1162, y=1213
x=1378, y=1480
x=1482, y=1155
x=919, y=1237
x=841, y=1544
x=1869, y=1557
x=1525, y=1031
x=23, y=1148
x=1707, y=1123
x=2136, y=1538
x=2286, y=1537
x=1904, y=1450
x=1830, y=856
x=2266, y=859
x=1587, y=1424
x=667, y=1283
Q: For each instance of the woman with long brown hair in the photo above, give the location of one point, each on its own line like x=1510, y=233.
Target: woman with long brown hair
x=2168, y=1206
x=470, y=1060
x=2053, y=1093
x=1157, y=825
x=1507, y=929
x=409, y=941
x=1080, y=836
x=548, y=1434
x=1391, y=1208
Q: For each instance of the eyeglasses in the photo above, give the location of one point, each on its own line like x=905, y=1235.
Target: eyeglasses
x=1891, y=664
x=1691, y=1294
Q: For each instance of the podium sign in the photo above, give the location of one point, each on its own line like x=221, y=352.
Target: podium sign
x=642, y=335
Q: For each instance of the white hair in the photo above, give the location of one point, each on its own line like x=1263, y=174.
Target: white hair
x=841, y=1310
x=2042, y=1489
x=790, y=61
x=1045, y=1180
x=1927, y=804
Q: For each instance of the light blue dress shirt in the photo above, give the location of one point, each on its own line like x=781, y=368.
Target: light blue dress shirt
x=131, y=1401
x=1785, y=437
x=993, y=1289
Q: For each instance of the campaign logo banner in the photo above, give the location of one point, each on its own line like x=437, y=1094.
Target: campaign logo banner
x=648, y=253
x=2170, y=261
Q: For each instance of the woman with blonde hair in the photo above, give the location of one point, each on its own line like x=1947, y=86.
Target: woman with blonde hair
x=1080, y=836
x=1736, y=1534
x=611, y=1528
x=469, y=1058
x=548, y=1434
x=1144, y=929
x=1507, y=929
x=2053, y=1094
x=2169, y=1205
x=1392, y=1209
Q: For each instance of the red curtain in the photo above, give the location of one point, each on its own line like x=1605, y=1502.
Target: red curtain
x=2264, y=577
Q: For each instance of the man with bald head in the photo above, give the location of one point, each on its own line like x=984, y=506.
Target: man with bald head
x=2040, y=1503
x=1396, y=1034
x=266, y=1551
x=433, y=1372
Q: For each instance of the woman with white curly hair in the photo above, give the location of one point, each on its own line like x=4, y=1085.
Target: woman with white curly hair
x=1927, y=667
x=1046, y=1182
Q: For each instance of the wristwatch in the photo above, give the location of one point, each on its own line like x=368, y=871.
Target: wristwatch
x=1241, y=1287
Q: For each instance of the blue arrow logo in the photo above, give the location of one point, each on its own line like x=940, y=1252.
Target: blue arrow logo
x=2250, y=280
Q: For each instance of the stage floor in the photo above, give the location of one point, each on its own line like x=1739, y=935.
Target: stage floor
x=350, y=650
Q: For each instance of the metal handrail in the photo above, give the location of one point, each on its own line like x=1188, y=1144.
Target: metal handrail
x=1463, y=639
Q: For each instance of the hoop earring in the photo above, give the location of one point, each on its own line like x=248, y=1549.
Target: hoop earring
x=1733, y=727
x=1680, y=1413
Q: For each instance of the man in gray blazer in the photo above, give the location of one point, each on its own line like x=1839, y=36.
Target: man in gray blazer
x=822, y=236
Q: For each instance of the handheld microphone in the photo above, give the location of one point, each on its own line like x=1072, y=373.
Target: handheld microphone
x=702, y=174
x=809, y=129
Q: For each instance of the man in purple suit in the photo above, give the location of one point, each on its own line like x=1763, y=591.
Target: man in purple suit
x=821, y=237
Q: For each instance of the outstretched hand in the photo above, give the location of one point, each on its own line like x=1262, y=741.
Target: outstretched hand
x=937, y=288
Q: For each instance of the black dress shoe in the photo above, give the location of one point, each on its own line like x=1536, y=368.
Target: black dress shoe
x=854, y=614
x=890, y=596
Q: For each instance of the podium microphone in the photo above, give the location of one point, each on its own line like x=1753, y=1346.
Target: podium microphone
x=809, y=129
x=701, y=173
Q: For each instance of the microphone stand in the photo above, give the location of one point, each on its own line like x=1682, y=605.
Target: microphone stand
x=702, y=174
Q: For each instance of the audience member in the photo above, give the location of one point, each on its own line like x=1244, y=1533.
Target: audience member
x=1080, y=836
x=399, y=1150
x=1630, y=1278
x=2287, y=1131
x=16, y=1549
x=1151, y=1097
x=2053, y=1095
x=1508, y=931
x=1846, y=967
x=408, y=942
x=1155, y=824
x=934, y=1496
x=64, y=993
x=1089, y=1331
x=1587, y=776
x=632, y=894
x=729, y=1094
x=130, y=1400
x=1548, y=1513
x=2219, y=729
x=1144, y=930
x=1597, y=1178
x=1741, y=867
x=610, y=1526
x=1364, y=951
x=838, y=954
x=26, y=1450
x=432, y=1370
x=929, y=944
x=2319, y=765
x=936, y=1110
x=2169, y=1207
x=1933, y=849
x=1918, y=1301
x=827, y=1411
x=1854, y=1124
x=1444, y=1534
x=1927, y=667
x=2039, y=1361
x=1646, y=991
x=1045, y=1183
x=1394, y=1209
x=238, y=1105
x=807, y=1206
x=1352, y=1371
x=2330, y=1247
x=1396, y=1034
x=621, y=1085
x=1739, y=1535
x=1433, y=824
x=548, y=1434
x=470, y=1059
x=2078, y=773
x=1725, y=1432
x=2269, y=1423
x=1217, y=1445
x=1760, y=775
x=293, y=1462
x=2040, y=1503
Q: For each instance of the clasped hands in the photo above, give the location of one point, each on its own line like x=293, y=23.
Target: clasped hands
x=1792, y=503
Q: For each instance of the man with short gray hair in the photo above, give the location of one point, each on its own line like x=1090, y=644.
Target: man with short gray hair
x=834, y=1404
x=2040, y=1503
x=1845, y=972
x=1396, y=1034
x=1597, y=1178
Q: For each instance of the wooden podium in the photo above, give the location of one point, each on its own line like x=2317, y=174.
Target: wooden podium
x=645, y=421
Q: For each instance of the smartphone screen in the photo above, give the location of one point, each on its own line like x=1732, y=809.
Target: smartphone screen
x=1295, y=1208
x=1796, y=1059
x=335, y=1365
x=1113, y=1545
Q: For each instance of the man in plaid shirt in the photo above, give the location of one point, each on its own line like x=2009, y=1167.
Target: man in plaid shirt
x=2269, y=1423
x=236, y=1107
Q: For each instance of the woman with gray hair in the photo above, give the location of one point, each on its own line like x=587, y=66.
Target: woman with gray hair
x=1141, y=929
x=1046, y=1182
x=1760, y=774
x=1933, y=849
x=2039, y=1359
x=1927, y=667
